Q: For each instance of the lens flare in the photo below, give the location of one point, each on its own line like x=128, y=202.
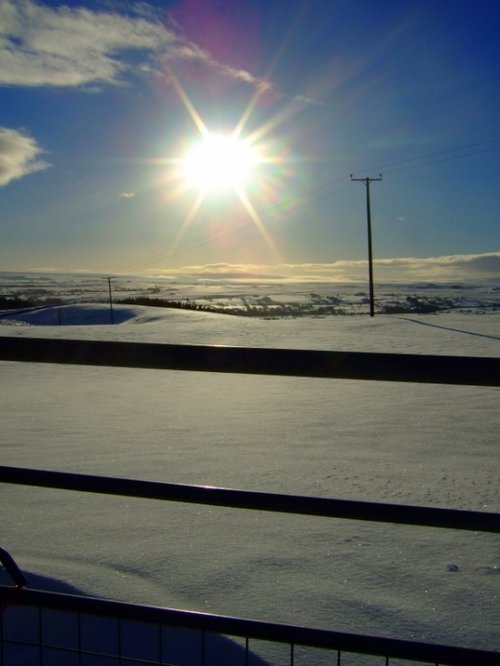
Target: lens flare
x=214, y=166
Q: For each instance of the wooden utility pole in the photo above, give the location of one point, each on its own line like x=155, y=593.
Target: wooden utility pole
x=367, y=182
x=111, y=277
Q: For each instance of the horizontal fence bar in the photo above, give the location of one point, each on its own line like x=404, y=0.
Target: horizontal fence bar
x=254, y=629
x=260, y=501
x=421, y=368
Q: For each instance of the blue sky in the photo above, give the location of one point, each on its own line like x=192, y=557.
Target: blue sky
x=100, y=100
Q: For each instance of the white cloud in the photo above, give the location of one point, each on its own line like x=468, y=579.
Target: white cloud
x=453, y=268
x=63, y=46
x=19, y=155
x=71, y=46
x=127, y=195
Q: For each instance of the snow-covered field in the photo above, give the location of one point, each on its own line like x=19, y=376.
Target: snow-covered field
x=404, y=443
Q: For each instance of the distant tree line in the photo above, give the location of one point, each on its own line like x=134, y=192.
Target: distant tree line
x=180, y=305
x=419, y=305
x=19, y=303
x=265, y=308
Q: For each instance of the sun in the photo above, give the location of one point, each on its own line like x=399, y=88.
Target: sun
x=237, y=162
x=220, y=162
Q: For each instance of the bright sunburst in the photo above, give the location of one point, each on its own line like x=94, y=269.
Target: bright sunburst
x=220, y=162
x=217, y=163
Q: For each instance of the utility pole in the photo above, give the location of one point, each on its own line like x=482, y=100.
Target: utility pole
x=110, y=297
x=367, y=182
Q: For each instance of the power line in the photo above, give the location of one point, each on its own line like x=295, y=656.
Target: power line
x=445, y=159
x=384, y=167
x=229, y=229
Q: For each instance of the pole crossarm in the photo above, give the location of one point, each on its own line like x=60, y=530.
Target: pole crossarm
x=367, y=179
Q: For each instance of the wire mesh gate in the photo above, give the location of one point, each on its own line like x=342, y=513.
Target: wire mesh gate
x=43, y=628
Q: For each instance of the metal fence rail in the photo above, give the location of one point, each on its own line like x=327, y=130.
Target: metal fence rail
x=246, y=499
x=421, y=368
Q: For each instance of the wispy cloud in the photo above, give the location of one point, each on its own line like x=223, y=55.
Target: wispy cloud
x=185, y=51
x=67, y=46
x=19, y=155
x=303, y=99
x=127, y=195
x=404, y=269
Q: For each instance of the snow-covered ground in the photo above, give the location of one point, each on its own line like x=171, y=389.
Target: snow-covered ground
x=404, y=443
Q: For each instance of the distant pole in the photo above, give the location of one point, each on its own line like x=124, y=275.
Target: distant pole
x=110, y=298
x=367, y=182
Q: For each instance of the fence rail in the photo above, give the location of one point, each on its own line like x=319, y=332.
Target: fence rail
x=421, y=368
x=261, y=501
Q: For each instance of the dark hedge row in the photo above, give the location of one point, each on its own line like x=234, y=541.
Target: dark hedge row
x=18, y=303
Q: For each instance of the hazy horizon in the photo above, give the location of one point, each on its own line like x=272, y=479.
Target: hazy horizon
x=483, y=267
